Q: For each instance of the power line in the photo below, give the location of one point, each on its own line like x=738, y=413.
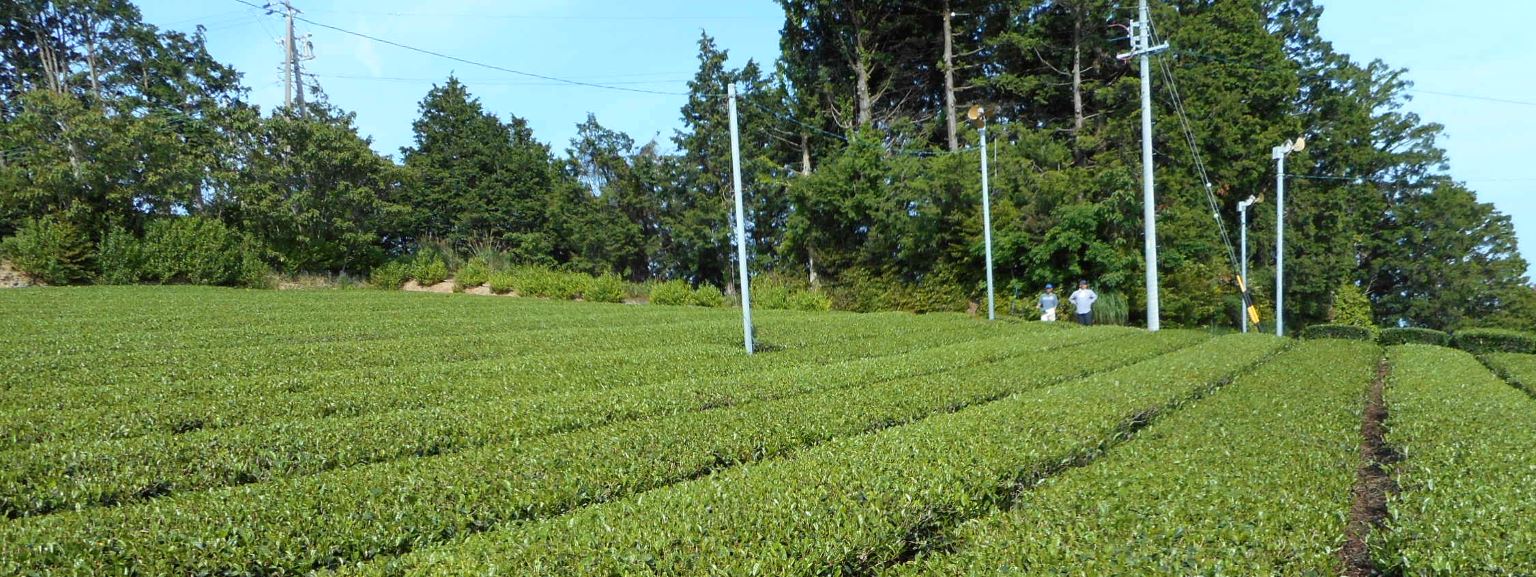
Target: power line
x=538, y=17
x=1472, y=97
x=477, y=63
x=481, y=82
x=1251, y=67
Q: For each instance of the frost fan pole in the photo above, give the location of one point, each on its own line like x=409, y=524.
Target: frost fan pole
x=741, y=227
x=978, y=118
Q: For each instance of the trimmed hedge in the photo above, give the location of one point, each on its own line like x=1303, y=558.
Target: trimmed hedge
x=1467, y=471
x=1168, y=499
x=1479, y=341
x=1413, y=336
x=855, y=503
x=403, y=505
x=1349, y=332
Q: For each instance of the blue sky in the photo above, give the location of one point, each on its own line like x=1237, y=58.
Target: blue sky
x=1463, y=68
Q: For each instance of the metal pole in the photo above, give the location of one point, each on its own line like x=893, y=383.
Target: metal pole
x=1149, y=208
x=1280, y=241
x=741, y=227
x=986, y=217
x=1246, y=282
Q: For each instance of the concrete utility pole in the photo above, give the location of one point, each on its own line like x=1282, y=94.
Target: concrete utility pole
x=290, y=62
x=1141, y=46
x=741, y=226
x=293, y=74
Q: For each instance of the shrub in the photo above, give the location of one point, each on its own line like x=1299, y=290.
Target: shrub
x=541, y=282
x=810, y=301
x=429, y=269
x=253, y=271
x=606, y=289
x=391, y=275
x=1351, y=307
x=1479, y=341
x=119, y=258
x=1403, y=336
x=475, y=272
x=672, y=292
x=939, y=292
x=192, y=249
x=441, y=249
x=48, y=250
x=1327, y=331
x=502, y=282
x=707, y=296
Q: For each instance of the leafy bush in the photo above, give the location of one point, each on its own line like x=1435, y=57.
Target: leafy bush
x=1327, y=331
x=253, y=271
x=606, y=289
x=707, y=296
x=502, y=282
x=119, y=258
x=777, y=291
x=391, y=275
x=810, y=301
x=48, y=249
x=194, y=250
x=429, y=269
x=1351, y=307
x=1479, y=341
x=475, y=272
x=541, y=282
x=672, y=292
x=1404, y=336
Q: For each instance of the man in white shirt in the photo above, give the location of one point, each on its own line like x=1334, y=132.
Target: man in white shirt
x=1083, y=297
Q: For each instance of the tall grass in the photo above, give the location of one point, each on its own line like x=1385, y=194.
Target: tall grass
x=1111, y=309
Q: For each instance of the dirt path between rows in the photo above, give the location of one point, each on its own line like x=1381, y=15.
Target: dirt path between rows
x=1373, y=482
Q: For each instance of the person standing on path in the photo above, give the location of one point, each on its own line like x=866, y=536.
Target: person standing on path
x=1048, y=303
x=1084, y=298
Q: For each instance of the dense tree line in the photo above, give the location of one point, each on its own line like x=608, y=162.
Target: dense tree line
x=860, y=175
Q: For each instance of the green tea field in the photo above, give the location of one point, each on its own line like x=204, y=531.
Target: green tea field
x=153, y=431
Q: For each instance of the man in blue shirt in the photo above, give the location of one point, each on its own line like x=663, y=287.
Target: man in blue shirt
x=1048, y=303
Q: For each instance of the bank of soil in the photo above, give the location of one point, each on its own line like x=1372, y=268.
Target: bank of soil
x=12, y=278
x=1373, y=482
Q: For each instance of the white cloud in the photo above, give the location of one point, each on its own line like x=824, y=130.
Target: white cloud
x=364, y=51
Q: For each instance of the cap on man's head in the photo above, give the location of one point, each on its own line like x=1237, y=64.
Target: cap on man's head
x=1049, y=286
x=1084, y=281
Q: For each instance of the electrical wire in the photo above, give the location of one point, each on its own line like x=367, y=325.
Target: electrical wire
x=474, y=62
x=480, y=82
x=1194, y=148
x=535, y=17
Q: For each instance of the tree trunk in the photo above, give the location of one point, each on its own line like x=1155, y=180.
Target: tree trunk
x=1077, y=86
x=805, y=170
x=949, y=81
x=861, y=68
x=90, y=57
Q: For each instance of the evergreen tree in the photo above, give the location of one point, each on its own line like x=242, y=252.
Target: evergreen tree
x=473, y=176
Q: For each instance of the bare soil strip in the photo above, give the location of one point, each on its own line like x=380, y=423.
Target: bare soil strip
x=1373, y=482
